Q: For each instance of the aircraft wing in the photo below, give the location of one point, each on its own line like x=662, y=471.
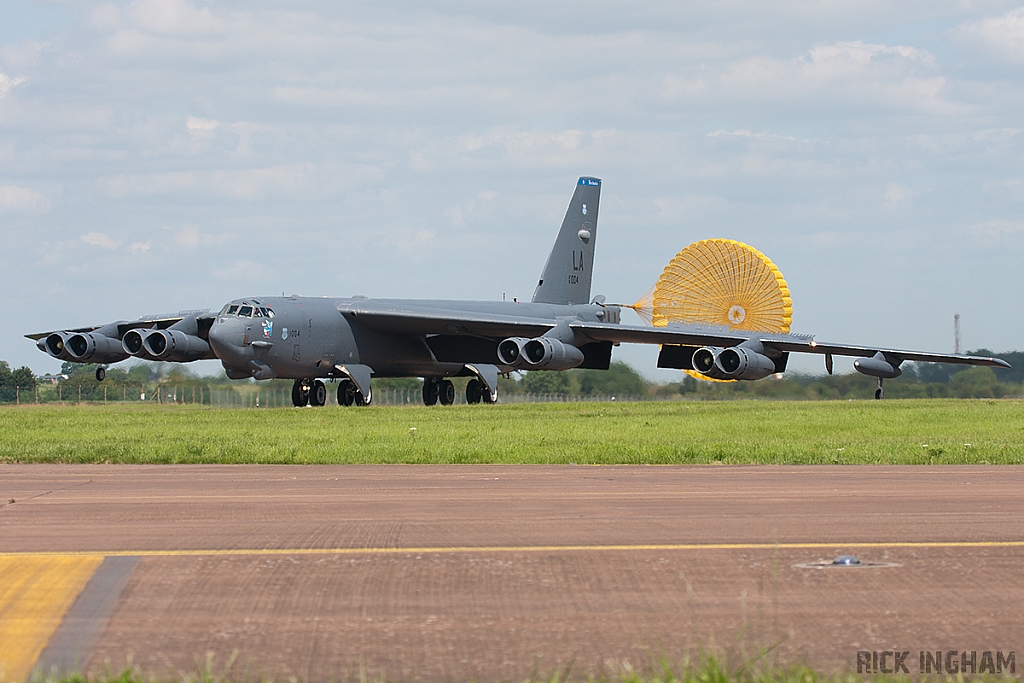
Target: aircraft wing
x=789, y=343
x=444, y=321
x=36, y=336
x=159, y=322
x=495, y=326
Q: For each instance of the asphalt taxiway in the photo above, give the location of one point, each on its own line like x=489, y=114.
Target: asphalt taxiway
x=489, y=572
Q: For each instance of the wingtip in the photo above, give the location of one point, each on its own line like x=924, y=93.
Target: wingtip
x=1002, y=363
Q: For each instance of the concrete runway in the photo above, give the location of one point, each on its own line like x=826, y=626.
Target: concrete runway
x=486, y=572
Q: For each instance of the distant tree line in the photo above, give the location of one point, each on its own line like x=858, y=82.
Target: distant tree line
x=13, y=382
x=919, y=380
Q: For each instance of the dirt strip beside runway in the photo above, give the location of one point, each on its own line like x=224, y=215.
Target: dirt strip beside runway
x=494, y=615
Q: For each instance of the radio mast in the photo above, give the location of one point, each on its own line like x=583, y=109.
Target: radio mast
x=956, y=333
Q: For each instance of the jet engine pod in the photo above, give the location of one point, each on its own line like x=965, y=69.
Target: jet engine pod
x=546, y=353
x=510, y=352
x=93, y=347
x=737, y=362
x=878, y=366
x=703, y=361
x=132, y=344
x=175, y=346
x=56, y=345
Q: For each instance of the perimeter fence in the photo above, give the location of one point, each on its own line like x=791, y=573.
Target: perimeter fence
x=253, y=396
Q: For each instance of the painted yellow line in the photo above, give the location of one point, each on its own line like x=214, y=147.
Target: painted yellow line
x=35, y=593
x=520, y=549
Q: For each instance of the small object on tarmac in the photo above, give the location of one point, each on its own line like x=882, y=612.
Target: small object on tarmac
x=846, y=560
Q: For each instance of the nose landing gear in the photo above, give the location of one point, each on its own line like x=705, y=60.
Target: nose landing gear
x=300, y=392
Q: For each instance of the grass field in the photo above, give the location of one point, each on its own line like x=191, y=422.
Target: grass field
x=734, y=432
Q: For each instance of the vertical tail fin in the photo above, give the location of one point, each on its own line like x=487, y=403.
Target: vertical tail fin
x=569, y=269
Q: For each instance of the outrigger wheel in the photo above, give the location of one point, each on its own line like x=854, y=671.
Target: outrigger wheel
x=719, y=282
x=101, y=373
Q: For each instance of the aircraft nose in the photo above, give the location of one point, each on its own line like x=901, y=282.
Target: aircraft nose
x=226, y=338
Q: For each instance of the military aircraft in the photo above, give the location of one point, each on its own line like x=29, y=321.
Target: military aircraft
x=354, y=339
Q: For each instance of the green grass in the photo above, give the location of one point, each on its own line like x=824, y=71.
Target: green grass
x=734, y=432
x=710, y=671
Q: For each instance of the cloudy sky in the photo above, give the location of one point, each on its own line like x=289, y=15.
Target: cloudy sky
x=166, y=154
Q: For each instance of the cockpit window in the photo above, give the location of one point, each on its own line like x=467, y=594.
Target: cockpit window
x=245, y=312
x=270, y=313
x=232, y=309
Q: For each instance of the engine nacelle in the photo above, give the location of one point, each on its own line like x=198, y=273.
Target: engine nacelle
x=546, y=353
x=94, y=347
x=510, y=352
x=175, y=346
x=132, y=343
x=878, y=366
x=737, y=362
x=56, y=344
x=734, y=362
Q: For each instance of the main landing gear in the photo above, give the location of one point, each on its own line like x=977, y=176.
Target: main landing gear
x=349, y=394
x=313, y=392
x=437, y=390
x=476, y=392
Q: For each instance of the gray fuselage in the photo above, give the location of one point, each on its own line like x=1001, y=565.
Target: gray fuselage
x=305, y=337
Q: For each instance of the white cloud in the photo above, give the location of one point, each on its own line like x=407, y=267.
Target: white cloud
x=756, y=136
x=201, y=127
x=868, y=75
x=7, y=84
x=99, y=239
x=1001, y=36
x=996, y=230
x=140, y=247
x=896, y=195
x=240, y=272
x=171, y=17
x=14, y=199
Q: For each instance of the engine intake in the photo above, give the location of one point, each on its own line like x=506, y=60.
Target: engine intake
x=174, y=346
x=546, y=353
x=56, y=345
x=539, y=353
x=510, y=352
x=95, y=347
x=132, y=343
x=736, y=362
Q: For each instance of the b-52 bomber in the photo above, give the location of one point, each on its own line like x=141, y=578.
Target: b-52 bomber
x=352, y=340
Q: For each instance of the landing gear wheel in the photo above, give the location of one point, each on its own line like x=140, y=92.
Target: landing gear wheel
x=473, y=392
x=358, y=399
x=485, y=395
x=318, y=394
x=429, y=391
x=346, y=392
x=446, y=392
x=879, y=394
x=101, y=373
x=300, y=393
